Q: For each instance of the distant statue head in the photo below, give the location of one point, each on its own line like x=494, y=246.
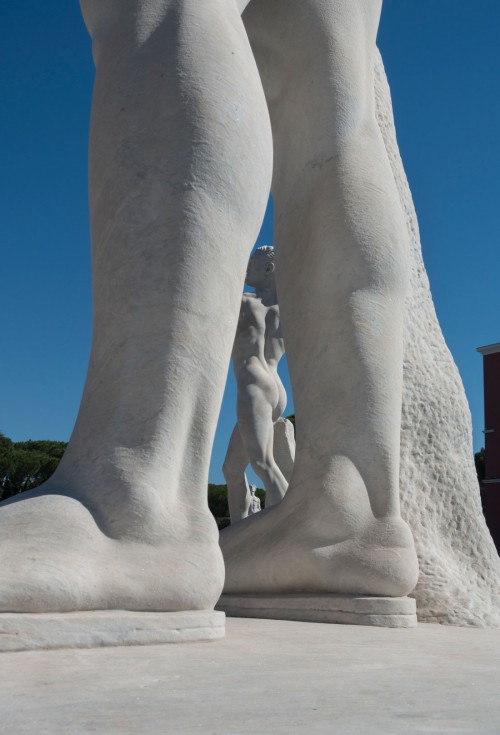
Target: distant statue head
x=260, y=266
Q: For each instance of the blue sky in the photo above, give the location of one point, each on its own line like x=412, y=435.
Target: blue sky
x=444, y=68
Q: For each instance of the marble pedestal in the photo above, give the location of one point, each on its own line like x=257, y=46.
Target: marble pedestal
x=386, y=612
x=95, y=629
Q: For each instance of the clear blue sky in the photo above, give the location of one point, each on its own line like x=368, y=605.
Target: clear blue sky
x=443, y=64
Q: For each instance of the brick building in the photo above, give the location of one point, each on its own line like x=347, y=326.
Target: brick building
x=490, y=486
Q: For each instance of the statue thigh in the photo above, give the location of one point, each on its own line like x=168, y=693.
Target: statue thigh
x=255, y=404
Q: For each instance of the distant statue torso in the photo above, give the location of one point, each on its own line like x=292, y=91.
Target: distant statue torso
x=258, y=348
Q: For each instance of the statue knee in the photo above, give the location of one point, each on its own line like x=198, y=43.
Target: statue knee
x=262, y=468
x=233, y=468
x=102, y=15
x=229, y=472
x=108, y=19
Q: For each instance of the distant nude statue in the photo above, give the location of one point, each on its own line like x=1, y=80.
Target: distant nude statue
x=197, y=112
x=254, y=502
x=258, y=348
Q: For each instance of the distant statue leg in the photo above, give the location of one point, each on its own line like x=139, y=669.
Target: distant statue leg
x=342, y=269
x=255, y=423
x=284, y=447
x=180, y=166
x=236, y=461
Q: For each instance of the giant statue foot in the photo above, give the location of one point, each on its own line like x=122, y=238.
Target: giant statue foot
x=305, y=559
x=60, y=563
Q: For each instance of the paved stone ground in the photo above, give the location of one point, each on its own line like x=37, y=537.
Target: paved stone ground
x=266, y=677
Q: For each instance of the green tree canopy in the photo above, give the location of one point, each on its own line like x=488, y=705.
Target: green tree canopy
x=217, y=502
x=25, y=465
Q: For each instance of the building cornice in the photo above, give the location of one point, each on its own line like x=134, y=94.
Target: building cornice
x=489, y=349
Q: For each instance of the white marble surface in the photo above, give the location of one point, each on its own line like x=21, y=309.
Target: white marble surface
x=266, y=677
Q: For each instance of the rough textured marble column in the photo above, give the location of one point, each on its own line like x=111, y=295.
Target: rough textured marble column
x=459, y=578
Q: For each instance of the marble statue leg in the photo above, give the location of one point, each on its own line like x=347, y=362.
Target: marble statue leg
x=342, y=269
x=284, y=447
x=236, y=461
x=239, y=496
x=180, y=168
x=256, y=426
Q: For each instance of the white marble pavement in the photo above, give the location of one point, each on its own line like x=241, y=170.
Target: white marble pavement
x=266, y=677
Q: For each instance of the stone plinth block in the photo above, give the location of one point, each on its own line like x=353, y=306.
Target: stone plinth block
x=95, y=629
x=387, y=612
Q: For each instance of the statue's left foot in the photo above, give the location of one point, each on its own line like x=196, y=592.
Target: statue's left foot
x=283, y=561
